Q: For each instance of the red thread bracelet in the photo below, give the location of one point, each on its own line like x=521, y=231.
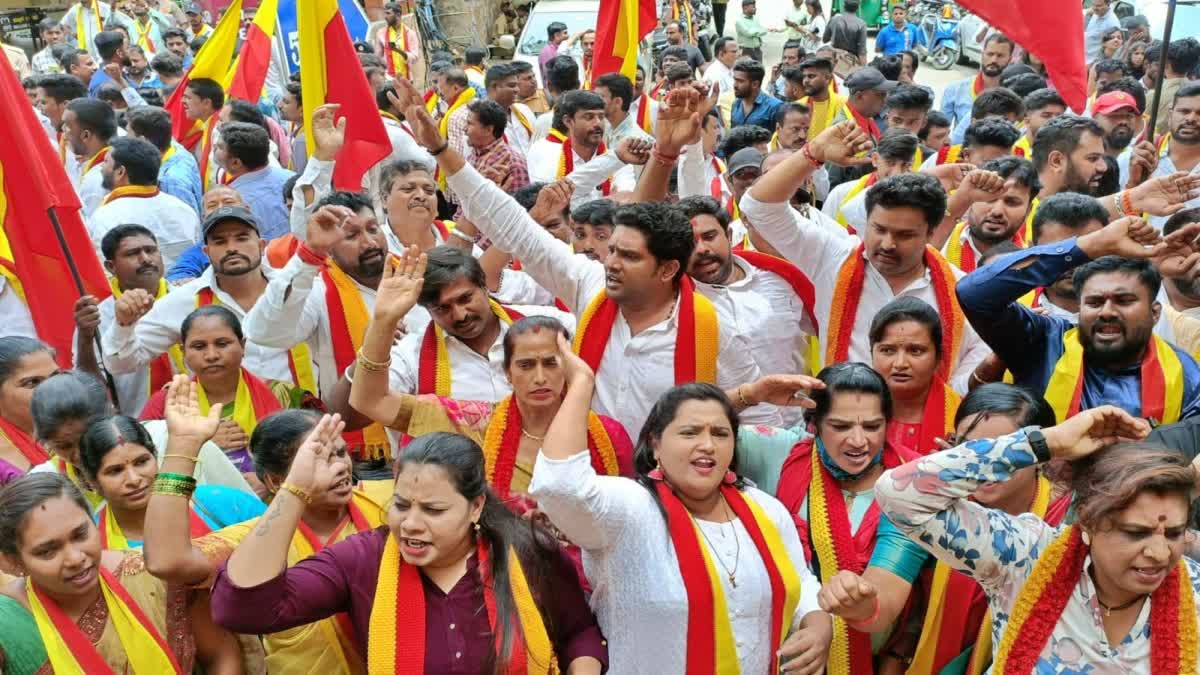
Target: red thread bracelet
x=309, y=256
x=1127, y=204
x=808, y=155
x=871, y=619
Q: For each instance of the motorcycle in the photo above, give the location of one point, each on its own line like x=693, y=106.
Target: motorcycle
x=939, y=22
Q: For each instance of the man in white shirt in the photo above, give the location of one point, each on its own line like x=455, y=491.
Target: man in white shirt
x=130, y=173
x=90, y=125
x=991, y=222
x=1181, y=152
x=720, y=71
x=503, y=87
x=617, y=92
x=581, y=141
x=766, y=301
x=54, y=92
x=903, y=212
x=144, y=327
x=891, y=157
x=85, y=19
x=132, y=257
x=1097, y=21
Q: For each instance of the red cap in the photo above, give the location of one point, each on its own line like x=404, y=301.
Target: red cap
x=1114, y=101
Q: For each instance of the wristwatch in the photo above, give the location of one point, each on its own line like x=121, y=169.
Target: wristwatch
x=1037, y=443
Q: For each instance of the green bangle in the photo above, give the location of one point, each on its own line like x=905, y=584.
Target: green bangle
x=165, y=475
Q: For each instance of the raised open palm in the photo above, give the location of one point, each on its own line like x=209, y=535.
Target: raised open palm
x=401, y=286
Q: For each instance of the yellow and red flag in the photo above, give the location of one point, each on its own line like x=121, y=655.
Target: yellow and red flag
x=250, y=71
x=212, y=62
x=33, y=189
x=620, y=27
x=330, y=72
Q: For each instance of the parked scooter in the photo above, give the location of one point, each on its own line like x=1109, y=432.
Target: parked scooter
x=939, y=22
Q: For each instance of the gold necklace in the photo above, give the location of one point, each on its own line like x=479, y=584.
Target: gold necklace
x=737, y=551
x=530, y=436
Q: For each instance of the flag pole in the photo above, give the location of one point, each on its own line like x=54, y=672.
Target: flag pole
x=1162, y=70
x=78, y=279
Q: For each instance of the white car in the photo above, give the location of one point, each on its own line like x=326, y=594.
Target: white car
x=576, y=14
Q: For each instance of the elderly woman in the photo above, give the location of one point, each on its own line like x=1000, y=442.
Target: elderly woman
x=1111, y=593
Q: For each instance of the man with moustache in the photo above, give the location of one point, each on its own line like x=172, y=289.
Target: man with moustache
x=819, y=96
x=592, y=228
x=194, y=261
x=111, y=45
x=130, y=174
x=89, y=125
x=1120, y=116
x=1113, y=356
x=958, y=97
x=298, y=304
x=1182, y=311
x=999, y=219
x=765, y=300
x=138, y=74
x=131, y=256
x=144, y=327
x=580, y=141
x=892, y=255
x=1180, y=150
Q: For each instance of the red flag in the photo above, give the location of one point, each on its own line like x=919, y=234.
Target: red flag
x=32, y=182
x=330, y=72
x=212, y=62
x=1051, y=30
x=620, y=27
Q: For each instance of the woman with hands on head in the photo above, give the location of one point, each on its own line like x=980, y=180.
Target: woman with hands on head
x=827, y=485
x=331, y=514
x=455, y=582
x=509, y=431
x=953, y=607
x=1111, y=591
x=686, y=551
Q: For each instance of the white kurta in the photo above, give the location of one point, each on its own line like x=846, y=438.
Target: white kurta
x=637, y=592
x=175, y=224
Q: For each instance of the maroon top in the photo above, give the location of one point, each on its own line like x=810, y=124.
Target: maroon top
x=342, y=578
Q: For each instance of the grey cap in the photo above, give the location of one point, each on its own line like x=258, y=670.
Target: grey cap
x=744, y=158
x=868, y=78
x=227, y=213
x=193, y=8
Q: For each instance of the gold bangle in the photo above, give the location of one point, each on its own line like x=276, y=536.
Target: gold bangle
x=195, y=460
x=372, y=366
x=300, y=494
x=742, y=398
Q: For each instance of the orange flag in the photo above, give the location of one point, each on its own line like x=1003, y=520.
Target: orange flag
x=330, y=72
x=34, y=188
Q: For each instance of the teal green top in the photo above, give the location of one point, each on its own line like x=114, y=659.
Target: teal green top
x=762, y=450
x=896, y=553
x=750, y=32
x=21, y=648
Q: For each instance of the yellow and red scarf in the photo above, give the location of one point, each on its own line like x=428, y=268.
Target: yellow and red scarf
x=81, y=37
x=657, y=92
x=299, y=357
x=644, y=121
x=95, y=160
x=710, y=643
x=717, y=189
x=865, y=123
x=801, y=285
x=949, y=154
x=697, y=338
x=586, y=85
x=464, y=97
x=1023, y=148
x=348, y=319
x=962, y=255
x=861, y=184
x=1161, y=380
x=133, y=191
x=24, y=443
x=827, y=536
x=831, y=107
x=524, y=121
x=848, y=293
x=164, y=366
x=113, y=539
x=1044, y=595
x=206, y=150
x=143, y=36
x=433, y=364
x=396, y=642
x=937, y=419
x=503, y=439
x=253, y=401
x=362, y=515
x=977, y=86
x=566, y=157
x=948, y=621
x=398, y=64
x=69, y=650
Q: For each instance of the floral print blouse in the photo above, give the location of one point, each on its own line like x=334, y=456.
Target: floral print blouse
x=927, y=500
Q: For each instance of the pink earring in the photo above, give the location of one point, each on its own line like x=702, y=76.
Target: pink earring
x=730, y=478
x=656, y=473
